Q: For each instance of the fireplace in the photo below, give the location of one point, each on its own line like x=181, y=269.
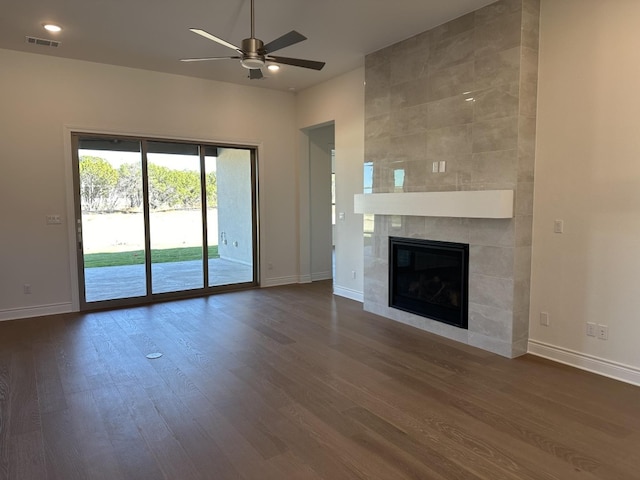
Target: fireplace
x=430, y=279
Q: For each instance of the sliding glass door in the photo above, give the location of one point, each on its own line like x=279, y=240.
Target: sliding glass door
x=160, y=219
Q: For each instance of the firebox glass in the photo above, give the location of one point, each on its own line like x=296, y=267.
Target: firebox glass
x=429, y=279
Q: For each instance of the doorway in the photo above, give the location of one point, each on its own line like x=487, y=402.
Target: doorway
x=322, y=201
x=162, y=219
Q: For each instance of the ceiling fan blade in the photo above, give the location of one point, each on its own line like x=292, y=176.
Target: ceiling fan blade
x=206, y=59
x=285, y=40
x=255, y=74
x=215, y=39
x=298, y=62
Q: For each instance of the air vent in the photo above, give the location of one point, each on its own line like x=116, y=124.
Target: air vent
x=42, y=41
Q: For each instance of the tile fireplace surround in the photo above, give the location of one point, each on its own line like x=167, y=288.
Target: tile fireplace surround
x=463, y=93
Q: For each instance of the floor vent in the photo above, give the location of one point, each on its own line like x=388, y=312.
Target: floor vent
x=42, y=41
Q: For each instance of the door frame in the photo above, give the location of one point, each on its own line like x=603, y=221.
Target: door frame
x=74, y=226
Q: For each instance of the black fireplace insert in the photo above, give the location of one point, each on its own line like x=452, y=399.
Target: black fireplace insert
x=430, y=279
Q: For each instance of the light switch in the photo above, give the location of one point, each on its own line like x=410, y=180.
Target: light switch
x=544, y=319
x=54, y=219
x=434, y=167
x=558, y=226
x=443, y=166
x=341, y=216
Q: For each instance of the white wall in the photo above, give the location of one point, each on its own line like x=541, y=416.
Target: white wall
x=340, y=100
x=588, y=174
x=41, y=96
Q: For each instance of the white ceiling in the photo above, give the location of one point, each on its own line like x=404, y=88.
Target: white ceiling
x=154, y=34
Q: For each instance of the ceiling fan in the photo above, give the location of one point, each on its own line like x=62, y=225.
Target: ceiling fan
x=254, y=54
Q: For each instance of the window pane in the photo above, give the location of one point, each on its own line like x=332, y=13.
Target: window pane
x=175, y=217
x=230, y=217
x=110, y=172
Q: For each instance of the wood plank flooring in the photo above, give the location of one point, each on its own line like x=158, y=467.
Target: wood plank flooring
x=294, y=383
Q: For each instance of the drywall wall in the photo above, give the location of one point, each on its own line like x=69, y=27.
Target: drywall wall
x=340, y=100
x=588, y=175
x=44, y=97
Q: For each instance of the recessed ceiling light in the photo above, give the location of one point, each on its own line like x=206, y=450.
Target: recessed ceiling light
x=273, y=67
x=51, y=27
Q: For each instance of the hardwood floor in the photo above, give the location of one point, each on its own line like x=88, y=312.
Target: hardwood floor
x=293, y=383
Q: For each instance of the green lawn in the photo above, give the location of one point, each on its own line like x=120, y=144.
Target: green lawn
x=136, y=257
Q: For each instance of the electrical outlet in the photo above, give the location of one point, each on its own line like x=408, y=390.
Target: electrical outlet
x=353, y=274
x=434, y=167
x=26, y=288
x=591, y=329
x=603, y=332
x=544, y=319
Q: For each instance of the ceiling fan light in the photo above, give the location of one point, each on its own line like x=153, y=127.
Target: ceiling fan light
x=273, y=67
x=252, y=63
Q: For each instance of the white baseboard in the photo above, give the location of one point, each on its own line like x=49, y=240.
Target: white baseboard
x=39, y=311
x=348, y=293
x=583, y=361
x=278, y=281
x=315, y=277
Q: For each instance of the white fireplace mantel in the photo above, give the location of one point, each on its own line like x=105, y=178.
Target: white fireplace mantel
x=459, y=204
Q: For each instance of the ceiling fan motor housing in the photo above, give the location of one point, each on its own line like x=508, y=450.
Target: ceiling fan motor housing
x=251, y=56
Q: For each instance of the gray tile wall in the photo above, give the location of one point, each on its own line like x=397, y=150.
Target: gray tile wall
x=463, y=92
